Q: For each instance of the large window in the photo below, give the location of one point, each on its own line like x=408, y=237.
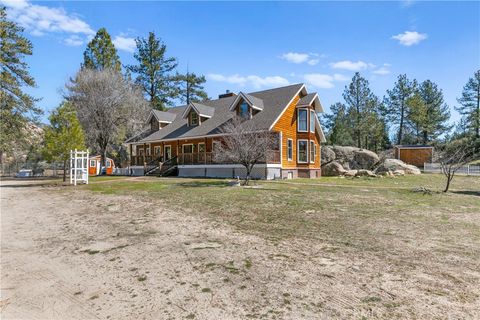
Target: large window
x=193, y=118
x=290, y=149
x=302, y=115
x=201, y=147
x=187, y=148
x=243, y=111
x=312, y=120
x=312, y=151
x=302, y=151
x=156, y=150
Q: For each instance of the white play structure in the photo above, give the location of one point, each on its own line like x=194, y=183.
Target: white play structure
x=78, y=166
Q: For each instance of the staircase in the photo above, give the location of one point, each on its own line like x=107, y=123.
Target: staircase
x=162, y=169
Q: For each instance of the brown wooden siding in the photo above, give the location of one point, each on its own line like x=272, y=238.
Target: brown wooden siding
x=415, y=156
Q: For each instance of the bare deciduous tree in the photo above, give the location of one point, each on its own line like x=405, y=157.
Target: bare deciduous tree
x=242, y=143
x=452, y=157
x=109, y=107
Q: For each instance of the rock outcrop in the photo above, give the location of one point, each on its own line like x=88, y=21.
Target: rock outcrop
x=356, y=162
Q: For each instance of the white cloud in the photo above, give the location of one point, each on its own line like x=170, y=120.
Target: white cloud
x=324, y=81
x=295, y=57
x=74, y=41
x=351, y=65
x=39, y=20
x=124, y=43
x=253, y=80
x=383, y=70
x=409, y=38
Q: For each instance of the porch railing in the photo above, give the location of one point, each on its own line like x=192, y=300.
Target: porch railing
x=272, y=157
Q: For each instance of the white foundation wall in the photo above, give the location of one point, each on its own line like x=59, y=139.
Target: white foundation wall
x=234, y=171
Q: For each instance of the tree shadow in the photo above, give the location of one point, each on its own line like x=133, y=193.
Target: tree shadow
x=468, y=192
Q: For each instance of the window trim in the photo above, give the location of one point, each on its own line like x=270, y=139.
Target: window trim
x=312, y=121
x=183, y=148
x=298, y=119
x=165, y=153
x=204, y=147
x=312, y=149
x=298, y=150
x=159, y=148
x=94, y=163
x=289, y=157
x=190, y=123
x=109, y=163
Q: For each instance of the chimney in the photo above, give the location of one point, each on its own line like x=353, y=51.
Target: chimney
x=226, y=94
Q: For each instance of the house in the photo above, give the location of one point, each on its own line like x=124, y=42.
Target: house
x=413, y=154
x=95, y=166
x=181, y=139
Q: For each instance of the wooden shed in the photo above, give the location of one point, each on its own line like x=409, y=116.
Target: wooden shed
x=95, y=166
x=413, y=154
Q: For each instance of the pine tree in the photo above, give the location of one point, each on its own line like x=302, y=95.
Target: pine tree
x=101, y=53
x=62, y=135
x=358, y=98
x=16, y=106
x=154, y=71
x=338, y=127
x=396, y=107
x=417, y=117
x=191, y=87
x=437, y=112
x=470, y=104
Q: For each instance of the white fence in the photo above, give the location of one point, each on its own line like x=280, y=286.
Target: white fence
x=469, y=169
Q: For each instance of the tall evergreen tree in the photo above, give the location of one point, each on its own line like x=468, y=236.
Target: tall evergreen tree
x=395, y=104
x=437, y=112
x=417, y=117
x=470, y=104
x=358, y=98
x=191, y=87
x=16, y=106
x=337, y=124
x=154, y=71
x=62, y=135
x=101, y=53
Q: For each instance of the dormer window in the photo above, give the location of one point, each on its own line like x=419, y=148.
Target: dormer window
x=244, y=110
x=193, y=119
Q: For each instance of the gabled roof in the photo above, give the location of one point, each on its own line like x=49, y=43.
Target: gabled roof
x=161, y=116
x=201, y=109
x=252, y=101
x=275, y=102
x=309, y=99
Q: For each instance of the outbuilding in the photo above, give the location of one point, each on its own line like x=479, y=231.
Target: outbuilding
x=95, y=166
x=413, y=154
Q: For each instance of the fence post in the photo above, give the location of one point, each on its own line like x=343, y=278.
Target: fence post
x=468, y=169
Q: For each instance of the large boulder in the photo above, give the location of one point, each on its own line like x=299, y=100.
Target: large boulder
x=365, y=173
x=351, y=158
x=397, y=165
x=332, y=169
x=326, y=154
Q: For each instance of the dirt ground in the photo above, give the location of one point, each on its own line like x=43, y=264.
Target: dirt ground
x=67, y=254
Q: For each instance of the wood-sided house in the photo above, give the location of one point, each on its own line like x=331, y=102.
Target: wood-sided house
x=183, y=137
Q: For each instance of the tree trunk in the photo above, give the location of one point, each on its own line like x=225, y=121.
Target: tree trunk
x=64, y=170
x=425, y=137
x=400, y=129
x=449, y=179
x=478, y=114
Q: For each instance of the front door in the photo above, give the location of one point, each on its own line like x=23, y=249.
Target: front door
x=168, y=152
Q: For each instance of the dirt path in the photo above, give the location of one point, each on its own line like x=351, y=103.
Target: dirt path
x=71, y=254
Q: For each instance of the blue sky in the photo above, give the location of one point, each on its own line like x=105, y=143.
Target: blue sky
x=249, y=46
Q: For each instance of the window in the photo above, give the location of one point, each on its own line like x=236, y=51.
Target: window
x=243, y=111
x=140, y=151
x=302, y=120
x=167, y=152
x=92, y=163
x=302, y=151
x=312, y=120
x=312, y=151
x=156, y=150
x=109, y=163
x=290, y=149
x=201, y=147
x=148, y=151
x=193, y=118
x=187, y=148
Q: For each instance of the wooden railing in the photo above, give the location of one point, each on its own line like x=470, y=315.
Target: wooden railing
x=272, y=156
x=142, y=160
